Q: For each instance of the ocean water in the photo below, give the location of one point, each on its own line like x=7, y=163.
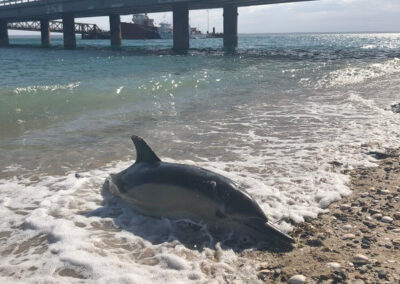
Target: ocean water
x=273, y=117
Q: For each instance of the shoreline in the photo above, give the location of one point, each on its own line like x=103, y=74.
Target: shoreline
x=357, y=241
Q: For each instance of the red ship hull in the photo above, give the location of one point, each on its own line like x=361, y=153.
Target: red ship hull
x=128, y=31
x=136, y=31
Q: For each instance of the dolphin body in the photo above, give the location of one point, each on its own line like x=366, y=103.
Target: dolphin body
x=161, y=189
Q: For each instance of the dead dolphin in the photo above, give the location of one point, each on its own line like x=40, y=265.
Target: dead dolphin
x=161, y=189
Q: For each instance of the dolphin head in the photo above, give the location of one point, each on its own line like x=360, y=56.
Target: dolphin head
x=243, y=211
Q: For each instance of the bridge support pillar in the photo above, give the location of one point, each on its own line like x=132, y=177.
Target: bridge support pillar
x=230, y=27
x=45, y=32
x=3, y=33
x=69, y=31
x=115, y=30
x=181, y=27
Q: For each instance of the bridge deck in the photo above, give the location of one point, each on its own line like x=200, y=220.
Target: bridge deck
x=29, y=10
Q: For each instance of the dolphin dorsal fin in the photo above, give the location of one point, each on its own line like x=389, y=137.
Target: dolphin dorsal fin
x=144, y=154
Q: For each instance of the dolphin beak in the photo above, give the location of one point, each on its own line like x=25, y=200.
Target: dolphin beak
x=269, y=231
x=277, y=235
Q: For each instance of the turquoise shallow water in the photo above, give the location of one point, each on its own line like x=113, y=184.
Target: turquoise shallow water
x=50, y=97
x=272, y=117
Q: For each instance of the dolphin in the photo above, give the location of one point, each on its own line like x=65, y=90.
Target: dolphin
x=171, y=190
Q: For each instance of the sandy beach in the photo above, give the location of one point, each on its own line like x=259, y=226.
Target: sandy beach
x=358, y=241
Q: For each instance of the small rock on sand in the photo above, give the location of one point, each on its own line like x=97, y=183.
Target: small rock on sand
x=334, y=266
x=297, y=279
x=395, y=108
x=348, y=236
x=387, y=219
x=264, y=271
x=345, y=207
x=347, y=227
x=397, y=215
x=377, y=216
x=360, y=259
x=382, y=274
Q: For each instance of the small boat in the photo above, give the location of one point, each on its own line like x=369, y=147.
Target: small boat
x=166, y=32
x=196, y=34
x=214, y=34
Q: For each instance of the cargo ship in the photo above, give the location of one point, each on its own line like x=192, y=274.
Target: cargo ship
x=142, y=27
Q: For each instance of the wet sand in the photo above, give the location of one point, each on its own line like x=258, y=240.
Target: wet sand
x=358, y=241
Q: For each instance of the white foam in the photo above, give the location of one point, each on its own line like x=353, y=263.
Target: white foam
x=355, y=75
x=73, y=240
x=49, y=88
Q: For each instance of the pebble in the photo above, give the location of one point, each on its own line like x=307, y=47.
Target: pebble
x=373, y=211
x=363, y=269
x=368, y=218
x=347, y=227
x=377, y=216
x=263, y=265
x=345, y=207
x=386, y=219
x=396, y=242
x=334, y=266
x=397, y=215
x=264, y=271
x=360, y=259
x=348, y=236
x=297, y=279
x=396, y=230
x=382, y=274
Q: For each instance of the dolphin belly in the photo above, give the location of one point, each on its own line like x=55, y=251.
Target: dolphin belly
x=166, y=200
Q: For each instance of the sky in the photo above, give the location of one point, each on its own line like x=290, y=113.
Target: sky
x=313, y=16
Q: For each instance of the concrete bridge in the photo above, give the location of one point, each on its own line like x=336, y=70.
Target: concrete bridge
x=12, y=11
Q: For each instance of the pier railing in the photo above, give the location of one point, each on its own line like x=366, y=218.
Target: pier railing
x=55, y=26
